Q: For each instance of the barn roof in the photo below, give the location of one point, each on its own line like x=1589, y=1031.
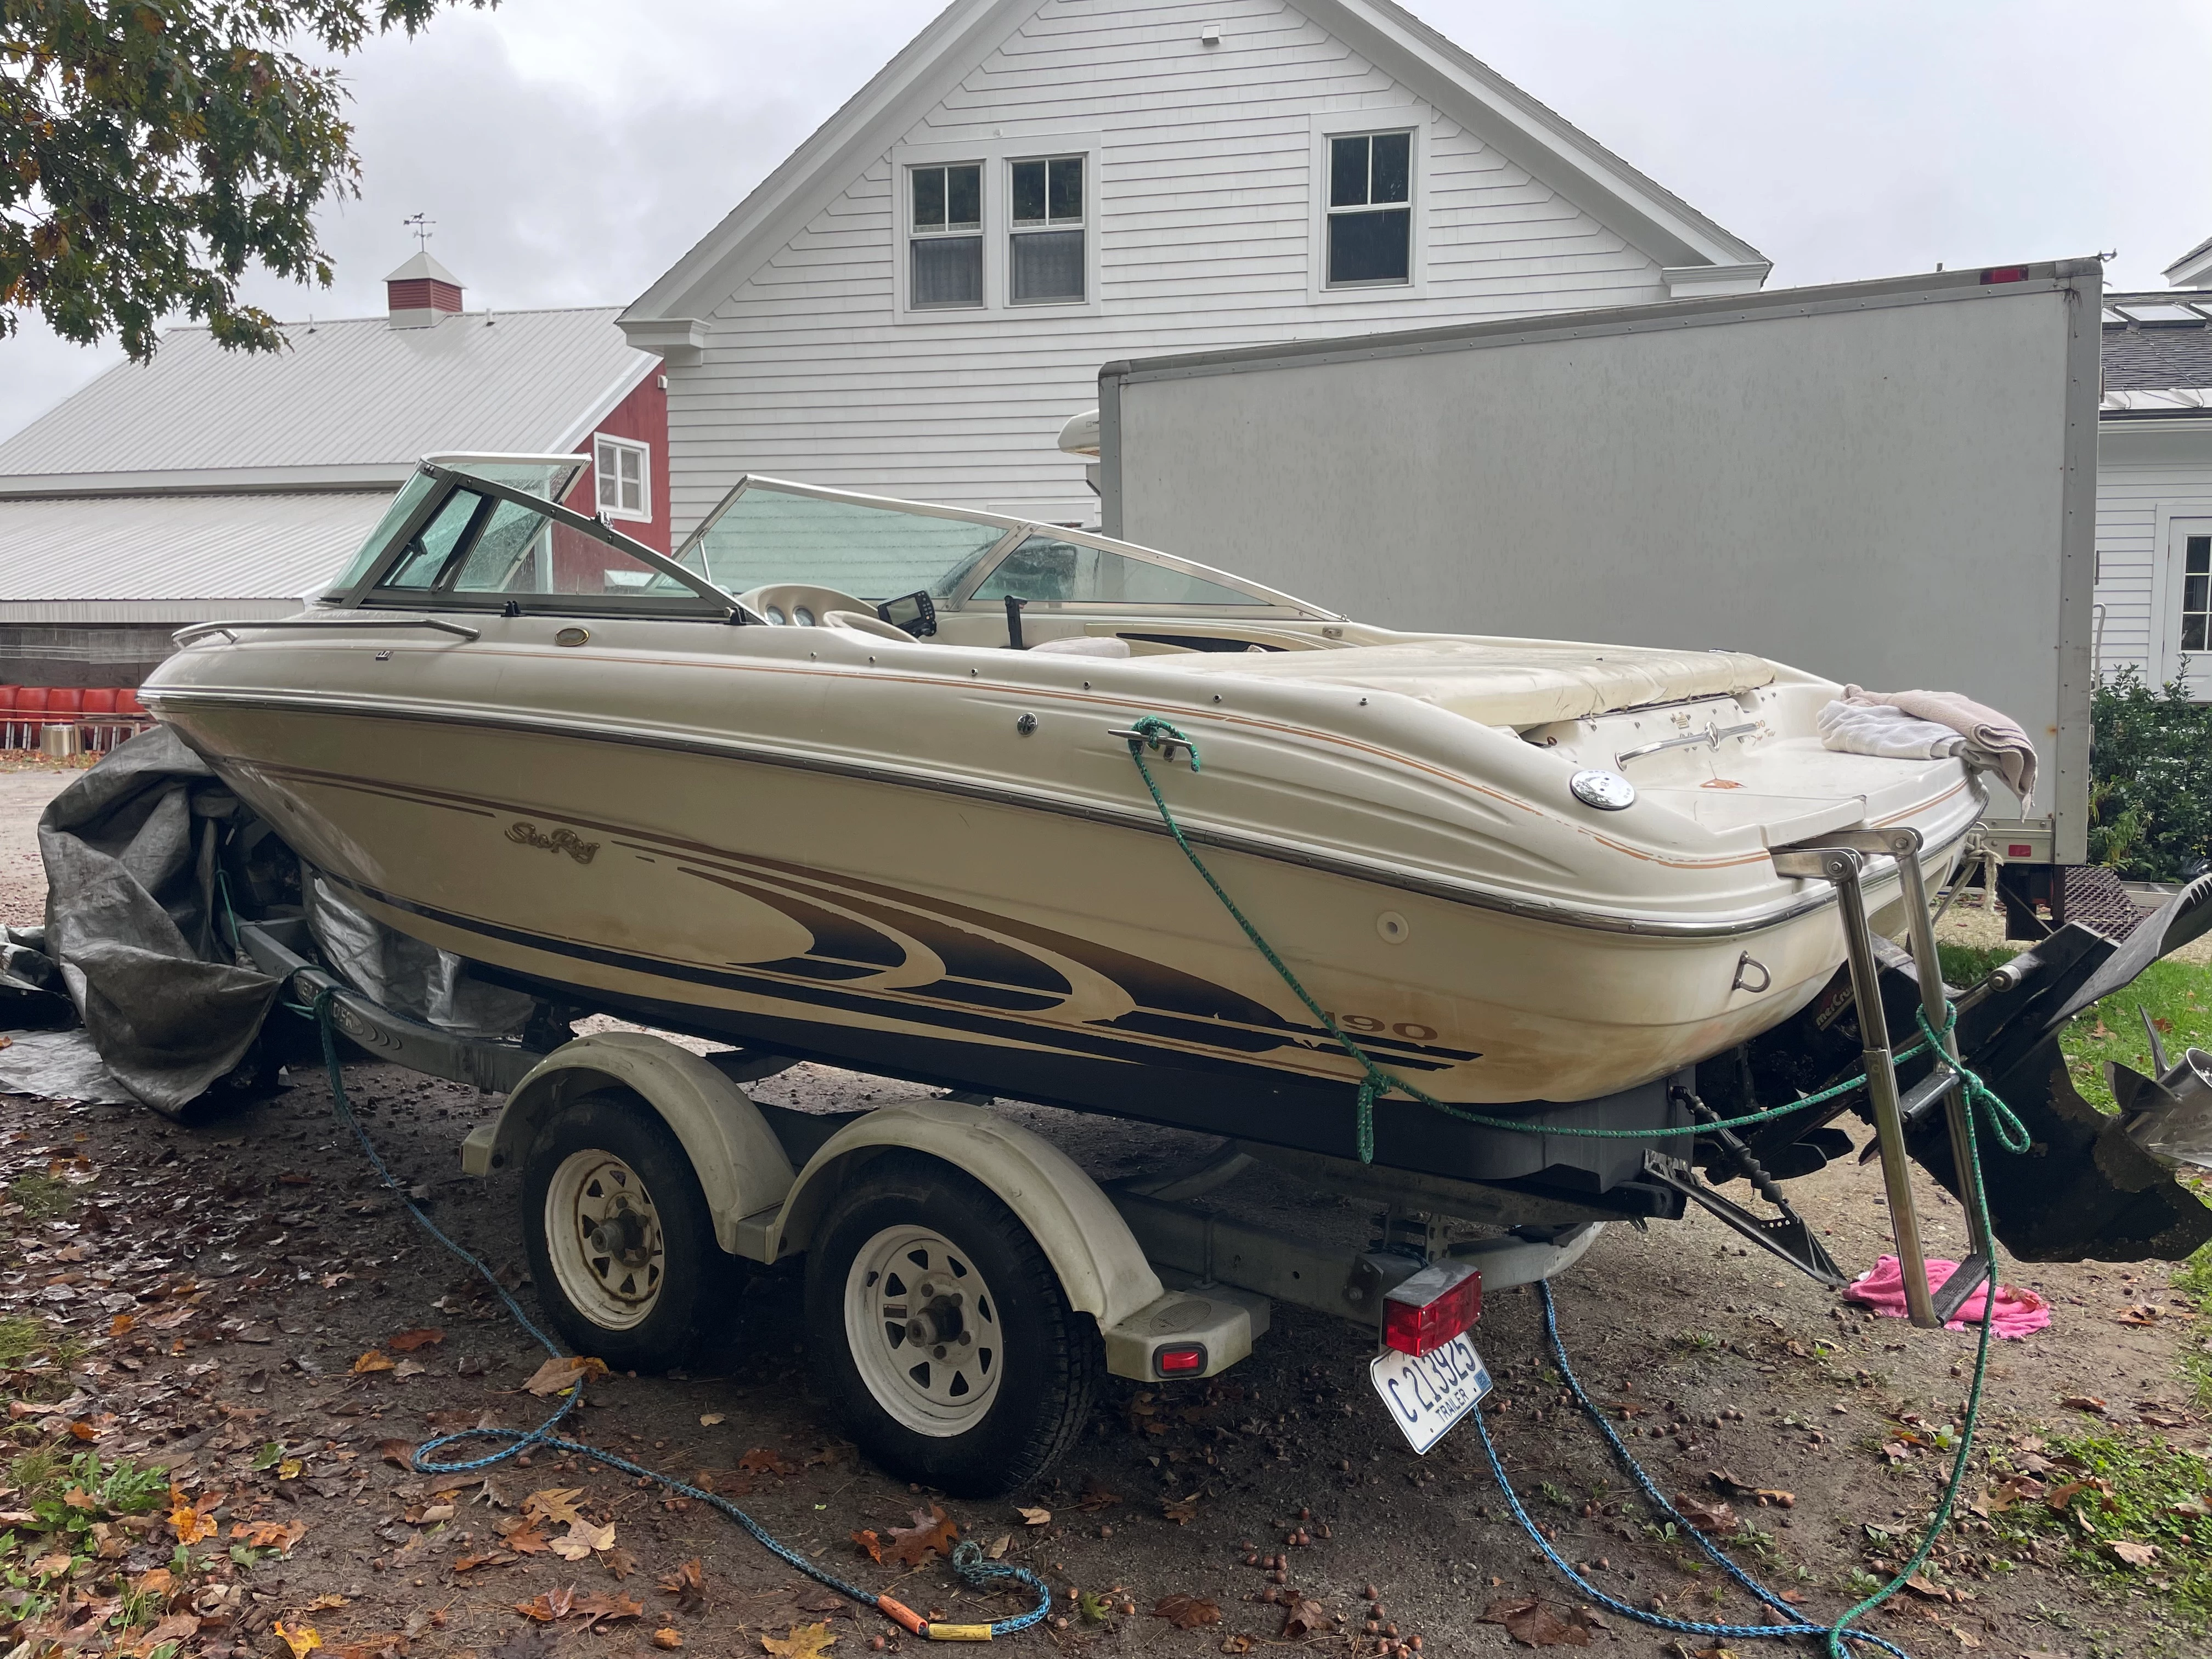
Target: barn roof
x=669, y=317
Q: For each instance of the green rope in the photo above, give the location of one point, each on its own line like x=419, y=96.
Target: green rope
x=1376, y=1083
x=2011, y=1133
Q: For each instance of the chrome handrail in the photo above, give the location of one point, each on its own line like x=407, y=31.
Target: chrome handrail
x=1710, y=737
x=185, y=636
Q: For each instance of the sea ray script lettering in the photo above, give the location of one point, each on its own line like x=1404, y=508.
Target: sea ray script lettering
x=559, y=841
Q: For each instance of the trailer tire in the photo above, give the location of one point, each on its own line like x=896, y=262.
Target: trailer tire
x=620, y=1240
x=986, y=1411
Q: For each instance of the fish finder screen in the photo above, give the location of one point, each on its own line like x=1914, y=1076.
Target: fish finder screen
x=914, y=612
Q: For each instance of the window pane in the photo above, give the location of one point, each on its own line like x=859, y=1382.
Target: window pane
x=1065, y=194
x=2199, y=554
x=1028, y=192
x=948, y=271
x=403, y=505
x=2193, y=596
x=1050, y=571
x=1048, y=265
x=964, y=197
x=606, y=470
x=434, y=544
x=929, y=198
x=1370, y=247
x=2192, y=633
x=871, y=552
x=1347, y=172
x=507, y=553
x=1394, y=166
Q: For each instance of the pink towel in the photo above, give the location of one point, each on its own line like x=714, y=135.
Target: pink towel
x=1882, y=1289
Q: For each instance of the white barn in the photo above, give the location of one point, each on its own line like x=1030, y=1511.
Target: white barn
x=921, y=295
x=2154, y=480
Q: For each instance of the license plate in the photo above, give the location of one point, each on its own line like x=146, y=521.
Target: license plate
x=1425, y=1397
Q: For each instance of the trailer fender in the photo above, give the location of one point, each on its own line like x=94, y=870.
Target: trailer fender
x=1091, y=1248
x=741, y=1165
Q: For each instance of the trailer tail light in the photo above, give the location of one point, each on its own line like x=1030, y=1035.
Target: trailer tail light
x=1435, y=1305
x=2005, y=273
x=2019, y=849
x=1184, y=1360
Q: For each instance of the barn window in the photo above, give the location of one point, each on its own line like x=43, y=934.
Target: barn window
x=946, y=245
x=624, y=490
x=1045, y=262
x=1371, y=218
x=2196, y=591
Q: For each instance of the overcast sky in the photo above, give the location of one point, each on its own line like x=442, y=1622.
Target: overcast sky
x=570, y=151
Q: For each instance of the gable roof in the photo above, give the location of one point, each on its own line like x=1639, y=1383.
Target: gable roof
x=669, y=315
x=348, y=404
x=2192, y=267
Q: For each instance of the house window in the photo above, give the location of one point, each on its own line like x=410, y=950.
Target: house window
x=1369, y=239
x=947, y=246
x=624, y=489
x=1045, y=251
x=2196, y=591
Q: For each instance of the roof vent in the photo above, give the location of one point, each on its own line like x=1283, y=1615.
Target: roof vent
x=421, y=291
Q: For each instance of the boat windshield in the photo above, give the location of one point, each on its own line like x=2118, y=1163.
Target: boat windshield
x=547, y=477
x=876, y=548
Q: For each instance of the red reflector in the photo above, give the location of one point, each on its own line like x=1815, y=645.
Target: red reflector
x=1432, y=1307
x=2019, y=849
x=1185, y=1361
x=2005, y=273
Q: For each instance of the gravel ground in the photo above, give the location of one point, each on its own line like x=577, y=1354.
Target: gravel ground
x=220, y=1281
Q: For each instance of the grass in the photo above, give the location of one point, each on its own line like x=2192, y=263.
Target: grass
x=25, y=1337
x=2156, y=1496
x=44, y=1198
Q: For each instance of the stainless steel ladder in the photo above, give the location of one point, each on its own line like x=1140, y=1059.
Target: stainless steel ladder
x=1842, y=858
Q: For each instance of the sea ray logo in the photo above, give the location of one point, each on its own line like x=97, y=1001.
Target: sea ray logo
x=560, y=841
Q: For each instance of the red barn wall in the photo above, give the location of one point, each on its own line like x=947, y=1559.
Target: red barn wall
x=641, y=417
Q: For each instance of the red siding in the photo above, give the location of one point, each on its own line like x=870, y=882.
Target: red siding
x=641, y=417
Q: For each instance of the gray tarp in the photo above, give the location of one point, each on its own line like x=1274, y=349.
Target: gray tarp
x=129, y=852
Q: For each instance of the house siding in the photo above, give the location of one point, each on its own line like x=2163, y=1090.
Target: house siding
x=642, y=417
x=2140, y=476
x=1205, y=195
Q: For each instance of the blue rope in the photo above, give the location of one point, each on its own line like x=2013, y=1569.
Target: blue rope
x=968, y=1560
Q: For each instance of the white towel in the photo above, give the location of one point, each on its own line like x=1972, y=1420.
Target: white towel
x=1866, y=728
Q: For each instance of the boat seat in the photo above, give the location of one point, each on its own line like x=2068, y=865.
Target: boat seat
x=1505, y=681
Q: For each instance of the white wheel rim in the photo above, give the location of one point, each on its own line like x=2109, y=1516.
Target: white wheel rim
x=924, y=1331
x=610, y=1255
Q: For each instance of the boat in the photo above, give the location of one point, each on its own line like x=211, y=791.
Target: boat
x=853, y=779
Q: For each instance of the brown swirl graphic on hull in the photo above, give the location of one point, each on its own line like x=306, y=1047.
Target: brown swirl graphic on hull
x=562, y=840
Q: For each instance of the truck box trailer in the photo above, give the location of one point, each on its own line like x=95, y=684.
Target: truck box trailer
x=1892, y=478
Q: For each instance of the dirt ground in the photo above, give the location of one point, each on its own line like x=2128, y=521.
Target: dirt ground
x=216, y=1286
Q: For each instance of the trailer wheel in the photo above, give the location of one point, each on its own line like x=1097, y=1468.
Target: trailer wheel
x=941, y=1333
x=619, y=1236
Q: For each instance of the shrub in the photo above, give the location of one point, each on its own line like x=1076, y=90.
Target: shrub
x=2150, y=778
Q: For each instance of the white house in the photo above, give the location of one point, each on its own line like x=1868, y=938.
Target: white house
x=2154, y=480
x=924, y=292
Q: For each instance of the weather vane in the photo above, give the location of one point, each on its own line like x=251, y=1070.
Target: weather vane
x=420, y=224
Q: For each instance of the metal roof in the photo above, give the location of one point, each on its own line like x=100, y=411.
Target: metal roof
x=74, y=559
x=344, y=394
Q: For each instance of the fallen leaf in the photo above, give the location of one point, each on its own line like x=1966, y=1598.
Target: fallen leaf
x=871, y=1546
x=2135, y=1555
x=53, y=1567
x=1305, y=1617
x=1933, y=1592
x=374, y=1360
x=121, y=1324
x=409, y=1341
x=325, y=1602
x=582, y=1539
x=594, y=1607
x=688, y=1584
x=178, y=1627
x=1236, y=1644
x=1180, y=1511
x=525, y=1538
x=1031, y=1517
x=1714, y=1520
x=558, y=1375
x=708, y=1419
x=548, y=1605
x=668, y=1637
x=1095, y=1497
x=2083, y=1402
x=407, y=1368
x=556, y=1504
x=999, y=1546
x=268, y=1535
x=760, y=1459
x=2139, y=1313
x=1187, y=1612
x=303, y=1639
x=400, y=1454
x=619, y=1562
x=190, y=1525
x=2156, y=1418
x=1736, y=1488
x=488, y=1558
x=1536, y=1624
x=1896, y=1451
x=805, y=1642
x=933, y=1529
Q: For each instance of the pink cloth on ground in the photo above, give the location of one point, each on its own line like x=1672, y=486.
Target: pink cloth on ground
x=1882, y=1289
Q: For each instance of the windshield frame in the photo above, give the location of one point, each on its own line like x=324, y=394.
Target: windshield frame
x=704, y=602
x=1268, y=601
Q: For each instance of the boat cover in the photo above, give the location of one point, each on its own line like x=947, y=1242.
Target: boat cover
x=1508, y=682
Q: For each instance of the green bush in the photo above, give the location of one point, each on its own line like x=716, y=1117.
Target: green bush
x=2150, y=778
